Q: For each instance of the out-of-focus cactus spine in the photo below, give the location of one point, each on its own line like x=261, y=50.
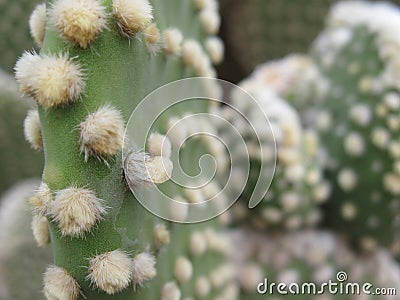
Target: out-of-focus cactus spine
x=359, y=123
x=99, y=59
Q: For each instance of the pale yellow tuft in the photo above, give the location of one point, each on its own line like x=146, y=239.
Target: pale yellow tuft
x=202, y=287
x=144, y=268
x=78, y=21
x=183, y=269
x=57, y=81
x=37, y=23
x=161, y=235
x=152, y=37
x=191, y=52
x=159, y=169
x=215, y=48
x=76, y=210
x=40, y=229
x=132, y=16
x=172, y=41
x=101, y=134
x=41, y=199
x=58, y=284
x=32, y=129
x=170, y=291
x=198, y=243
x=26, y=72
x=111, y=272
x=210, y=21
x=159, y=145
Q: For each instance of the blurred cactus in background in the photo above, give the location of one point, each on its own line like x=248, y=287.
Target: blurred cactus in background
x=17, y=159
x=359, y=123
x=297, y=188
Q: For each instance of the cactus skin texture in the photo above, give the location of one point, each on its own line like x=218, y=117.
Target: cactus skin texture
x=17, y=160
x=309, y=256
x=359, y=124
x=298, y=188
x=87, y=80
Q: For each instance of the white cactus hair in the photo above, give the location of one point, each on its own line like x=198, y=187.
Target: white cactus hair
x=101, y=133
x=37, y=23
x=59, y=284
x=25, y=69
x=170, y=291
x=159, y=145
x=76, y=210
x=40, y=229
x=78, y=21
x=172, y=41
x=183, y=269
x=143, y=170
x=161, y=236
x=152, y=36
x=41, y=200
x=144, y=268
x=215, y=48
x=210, y=21
x=32, y=129
x=111, y=272
x=54, y=80
x=132, y=16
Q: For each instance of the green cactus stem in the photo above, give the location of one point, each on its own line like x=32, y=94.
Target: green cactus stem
x=358, y=121
x=99, y=59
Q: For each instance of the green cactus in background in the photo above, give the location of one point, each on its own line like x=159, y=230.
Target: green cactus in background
x=98, y=60
x=359, y=123
x=17, y=160
x=311, y=257
x=298, y=188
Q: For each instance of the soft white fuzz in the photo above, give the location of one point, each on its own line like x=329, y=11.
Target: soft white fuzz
x=78, y=21
x=132, y=16
x=144, y=268
x=101, y=134
x=32, y=129
x=37, y=23
x=76, y=210
x=111, y=272
x=58, y=284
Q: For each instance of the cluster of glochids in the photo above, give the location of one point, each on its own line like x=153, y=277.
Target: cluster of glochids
x=359, y=121
x=298, y=187
x=317, y=258
x=57, y=81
